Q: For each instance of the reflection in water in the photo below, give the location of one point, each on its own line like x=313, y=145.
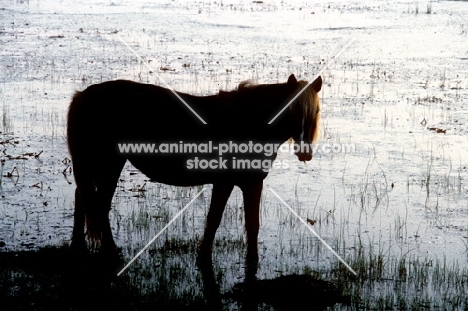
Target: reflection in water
x=58, y=278
x=289, y=292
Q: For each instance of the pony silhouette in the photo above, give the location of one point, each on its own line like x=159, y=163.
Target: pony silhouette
x=104, y=116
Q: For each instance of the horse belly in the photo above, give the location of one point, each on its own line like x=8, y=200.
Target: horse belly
x=193, y=170
x=173, y=171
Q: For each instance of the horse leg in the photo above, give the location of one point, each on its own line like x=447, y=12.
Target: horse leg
x=211, y=288
x=219, y=198
x=84, y=199
x=78, y=243
x=106, y=184
x=252, y=193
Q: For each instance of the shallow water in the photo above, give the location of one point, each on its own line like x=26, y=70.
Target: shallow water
x=402, y=190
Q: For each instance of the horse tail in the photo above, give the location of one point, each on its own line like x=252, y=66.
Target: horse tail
x=80, y=146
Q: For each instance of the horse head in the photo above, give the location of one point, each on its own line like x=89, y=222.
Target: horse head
x=306, y=108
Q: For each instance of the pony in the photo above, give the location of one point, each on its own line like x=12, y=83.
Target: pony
x=104, y=116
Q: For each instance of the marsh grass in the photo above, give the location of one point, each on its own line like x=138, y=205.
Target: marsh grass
x=7, y=125
x=383, y=209
x=166, y=276
x=405, y=281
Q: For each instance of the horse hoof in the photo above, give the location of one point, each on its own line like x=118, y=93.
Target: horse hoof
x=113, y=254
x=79, y=248
x=251, y=266
x=110, y=249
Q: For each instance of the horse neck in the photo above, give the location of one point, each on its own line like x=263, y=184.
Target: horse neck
x=247, y=112
x=264, y=101
x=261, y=104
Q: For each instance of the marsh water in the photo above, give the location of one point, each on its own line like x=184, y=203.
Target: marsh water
x=396, y=94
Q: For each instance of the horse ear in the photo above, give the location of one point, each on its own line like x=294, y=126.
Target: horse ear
x=292, y=80
x=317, y=84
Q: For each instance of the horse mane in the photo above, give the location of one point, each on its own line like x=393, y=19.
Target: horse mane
x=308, y=104
x=246, y=84
x=242, y=88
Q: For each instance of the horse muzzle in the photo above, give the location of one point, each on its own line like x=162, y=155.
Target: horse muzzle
x=304, y=156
